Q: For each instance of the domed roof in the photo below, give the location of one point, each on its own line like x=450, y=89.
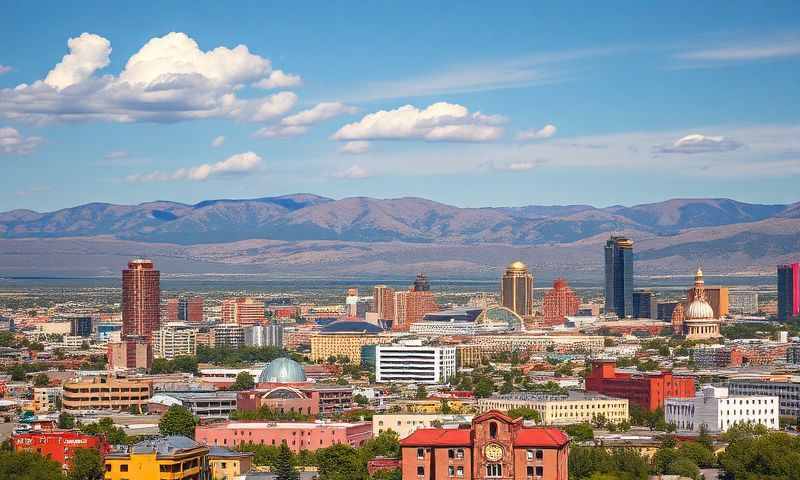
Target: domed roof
x=282, y=370
x=351, y=326
x=517, y=266
x=699, y=309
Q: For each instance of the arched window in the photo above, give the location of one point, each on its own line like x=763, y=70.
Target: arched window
x=493, y=430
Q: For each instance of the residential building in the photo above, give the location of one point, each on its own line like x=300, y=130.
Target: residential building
x=383, y=302
x=743, y=302
x=264, y=335
x=788, y=291
x=404, y=424
x=106, y=393
x=174, y=339
x=793, y=353
x=559, y=303
x=516, y=289
x=715, y=411
x=495, y=446
x=345, y=338
x=58, y=445
x=190, y=310
x=619, y=276
x=297, y=435
x=229, y=464
x=645, y=389
x=786, y=388
x=205, y=405
x=716, y=356
x=141, y=299
x=227, y=335
x=45, y=399
x=243, y=311
x=172, y=457
x=130, y=353
x=169, y=312
x=411, y=306
x=351, y=302
x=412, y=362
x=644, y=304
x=568, y=409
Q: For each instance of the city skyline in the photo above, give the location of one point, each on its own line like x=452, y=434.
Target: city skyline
x=537, y=105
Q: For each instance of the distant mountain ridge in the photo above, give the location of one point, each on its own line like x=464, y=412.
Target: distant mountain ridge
x=306, y=232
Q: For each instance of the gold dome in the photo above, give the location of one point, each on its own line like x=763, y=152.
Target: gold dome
x=517, y=266
x=699, y=309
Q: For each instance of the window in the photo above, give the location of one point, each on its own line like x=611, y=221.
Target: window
x=123, y=467
x=529, y=454
x=421, y=471
x=420, y=453
x=451, y=453
x=529, y=471
x=108, y=467
x=539, y=454
x=451, y=471
x=493, y=429
x=494, y=470
x=460, y=471
x=539, y=471
x=460, y=453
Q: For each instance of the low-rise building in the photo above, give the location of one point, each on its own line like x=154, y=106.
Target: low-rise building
x=573, y=407
x=645, y=389
x=714, y=410
x=412, y=362
x=404, y=424
x=227, y=335
x=45, y=399
x=106, y=393
x=345, y=338
x=787, y=389
x=172, y=457
x=297, y=435
x=174, y=339
x=495, y=446
x=711, y=356
x=58, y=445
x=206, y=405
x=229, y=464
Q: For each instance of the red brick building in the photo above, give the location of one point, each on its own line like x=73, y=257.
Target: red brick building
x=559, y=302
x=141, y=299
x=58, y=445
x=648, y=390
x=494, y=447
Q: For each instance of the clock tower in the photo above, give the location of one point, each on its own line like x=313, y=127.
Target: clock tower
x=493, y=443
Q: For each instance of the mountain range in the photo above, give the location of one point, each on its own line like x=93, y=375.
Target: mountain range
x=308, y=234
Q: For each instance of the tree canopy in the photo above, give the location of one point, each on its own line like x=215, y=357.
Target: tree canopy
x=177, y=420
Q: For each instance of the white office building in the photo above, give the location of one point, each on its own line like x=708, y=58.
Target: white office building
x=174, y=339
x=742, y=302
x=264, y=336
x=716, y=410
x=412, y=362
x=787, y=389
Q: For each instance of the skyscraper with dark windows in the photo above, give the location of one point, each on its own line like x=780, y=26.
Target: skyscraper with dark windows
x=644, y=304
x=619, y=276
x=141, y=299
x=788, y=291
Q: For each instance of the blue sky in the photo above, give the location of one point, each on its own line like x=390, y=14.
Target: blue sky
x=472, y=105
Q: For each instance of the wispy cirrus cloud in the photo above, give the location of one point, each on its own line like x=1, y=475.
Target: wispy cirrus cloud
x=239, y=164
x=352, y=172
x=357, y=147
x=699, y=143
x=736, y=52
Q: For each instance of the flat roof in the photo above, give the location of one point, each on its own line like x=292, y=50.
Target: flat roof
x=281, y=425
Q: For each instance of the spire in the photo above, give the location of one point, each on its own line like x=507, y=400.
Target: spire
x=699, y=284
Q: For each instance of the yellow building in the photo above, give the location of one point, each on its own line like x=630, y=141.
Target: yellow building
x=228, y=464
x=45, y=399
x=433, y=406
x=346, y=337
x=162, y=458
x=571, y=408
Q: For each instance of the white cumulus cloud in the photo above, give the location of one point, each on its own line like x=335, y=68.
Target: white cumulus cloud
x=354, y=171
x=218, y=141
x=698, y=143
x=169, y=79
x=279, y=79
x=438, y=122
x=241, y=163
x=320, y=112
x=537, y=134
x=277, y=131
x=14, y=143
x=355, y=148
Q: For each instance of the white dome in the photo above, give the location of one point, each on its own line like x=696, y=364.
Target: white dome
x=699, y=309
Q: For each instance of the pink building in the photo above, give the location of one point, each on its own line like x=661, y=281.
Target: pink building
x=298, y=436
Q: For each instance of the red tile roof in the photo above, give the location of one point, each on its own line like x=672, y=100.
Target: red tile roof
x=438, y=437
x=540, y=437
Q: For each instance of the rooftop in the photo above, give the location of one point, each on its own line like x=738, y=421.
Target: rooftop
x=162, y=446
x=279, y=425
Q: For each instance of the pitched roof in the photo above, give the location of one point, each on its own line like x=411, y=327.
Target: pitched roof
x=438, y=437
x=540, y=437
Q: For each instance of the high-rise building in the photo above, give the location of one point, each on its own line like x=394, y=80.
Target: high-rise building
x=141, y=299
x=412, y=362
x=619, y=276
x=131, y=353
x=411, y=306
x=190, y=310
x=383, y=302
x=558, y=303
x=644, y=304
x=788, y=291
x=421, y=283
x=516, y=289
x=227, y=335
x=170, y=311
x=351, y=302
x=243, y=311
x=664, y=310
x=81, y=326
x=264, y=335
x=174, y=339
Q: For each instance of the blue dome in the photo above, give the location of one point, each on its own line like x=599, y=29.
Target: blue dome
x=282, y=370
x=351, y=326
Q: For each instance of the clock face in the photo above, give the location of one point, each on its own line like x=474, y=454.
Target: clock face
x=493, y=452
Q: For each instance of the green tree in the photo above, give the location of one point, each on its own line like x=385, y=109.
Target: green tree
x=753, y=454
x=160, y=366
x=684, y=467
x=421, y=393
x=284, y=464
x=28, y=466
x=86, y=464
x=360, y=399
x=41, y=380
x=66, y=421
x=105, y=426
x=526, y=413
x=340, y=462
x=580, y=432
x=698, y=453
x=483, y=388
x=244, y=381
x=177, y=420
x=185, y=363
